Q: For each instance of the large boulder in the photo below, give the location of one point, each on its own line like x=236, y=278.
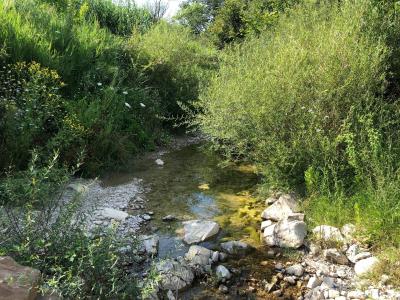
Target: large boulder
x=199, y=230
x=17, y=282
x=290, y=234
x=281, y=209
x=198, y=255
x=328, y=233
x=174, y=275
x=269, y=235
x=236, y=247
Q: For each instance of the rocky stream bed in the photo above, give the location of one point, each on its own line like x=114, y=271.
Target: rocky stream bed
x=207, y=236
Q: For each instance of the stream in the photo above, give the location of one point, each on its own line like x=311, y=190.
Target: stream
x=192, y=184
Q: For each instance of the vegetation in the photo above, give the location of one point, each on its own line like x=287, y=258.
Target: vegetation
x=307, y=90
x=311, y=103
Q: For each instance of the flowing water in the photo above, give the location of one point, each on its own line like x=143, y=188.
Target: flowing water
x=192, y=185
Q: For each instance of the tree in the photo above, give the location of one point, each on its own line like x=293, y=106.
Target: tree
x=157, y=9
x=193, y=15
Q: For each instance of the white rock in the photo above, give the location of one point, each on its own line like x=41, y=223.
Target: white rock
x=265, y=224
x=296, y=217
x=348, y=231
x=355, y=295
x=290, y=234
x=333, y=255
x=352, y=251
x=170, y=295
x=271, y=200
x=159, y=162
x=365, y=266
x=333, y=293
x=235, y=247
x=341, y=298
x=296, y=270
x=285, y=206
x=198, y=255
x=269, y=235
x=313, y=282
x=327, y=283
x=328, y=233
x=223, y=273
x=110, y=213
x=198, y=230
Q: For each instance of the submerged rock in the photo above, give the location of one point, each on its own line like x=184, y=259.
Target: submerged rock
x=16, y=281
x=174, y=275
x=236, y=247
x=169, y=218
x=150, y=243
x=159, y=162
x=199, y=230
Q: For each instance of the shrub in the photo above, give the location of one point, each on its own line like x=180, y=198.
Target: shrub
x=304, y=95
x=44, y=231
x=177, y=64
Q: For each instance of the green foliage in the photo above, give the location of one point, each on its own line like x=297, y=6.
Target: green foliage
x=307, y=103
x=176, y=64
x=193, y=15
x=43, y=230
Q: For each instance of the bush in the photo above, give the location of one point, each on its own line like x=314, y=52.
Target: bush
x=295, y=98
x=43, y=230
x=177, y=64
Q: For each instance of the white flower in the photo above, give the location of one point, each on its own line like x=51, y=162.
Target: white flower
x=99, y=84
x=142, y=105
x=125, y=92
x=303, y=107
x=128, y=105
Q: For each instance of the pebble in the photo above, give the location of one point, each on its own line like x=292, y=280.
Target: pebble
x=223, y=289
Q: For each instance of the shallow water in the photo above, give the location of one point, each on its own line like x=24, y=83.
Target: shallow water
x=192, y=185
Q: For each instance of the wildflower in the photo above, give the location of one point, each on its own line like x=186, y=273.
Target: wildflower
x=125, y=92
x=142, y=105
x=99, y=84
x=303, y=107
x=128, y=105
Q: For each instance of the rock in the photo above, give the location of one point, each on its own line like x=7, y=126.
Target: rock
x=290, y=279
x=223, y=289
x=271, y=200
x=269, y=235
x=328, y=233
x=365, y=266
x=146, y=217
x=362, y=255
x=198, y=255
x=277, y=293
x=265, y=224
x=290, y=234
x=111, y=213
x=174, y=275
x=285, y=206
x=235, y=247
x=334, y=256
x=215, y=256
x=313, y=282
x=169, y=218
x=327, y=283
x=373, y=294
x=333, y=293
x=352, y=251
x=78, y=188
x=296, y=270
x=355, y=295
x=296, y=217
x=223, y=273
x=150, y=243
x=16, y=281
x=222, y=256
x=159, y=162
x=315, y=249
x=170, y=295
x=199, y=230
x=348, y=231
